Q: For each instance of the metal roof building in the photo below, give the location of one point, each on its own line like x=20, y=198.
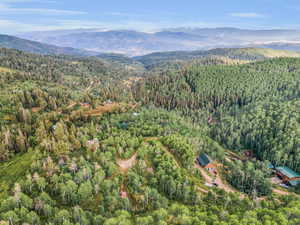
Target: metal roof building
x=204, y=159
x=288, y=175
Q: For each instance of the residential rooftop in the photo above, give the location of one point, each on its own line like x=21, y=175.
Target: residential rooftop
x=288, y=172
x=204, y=159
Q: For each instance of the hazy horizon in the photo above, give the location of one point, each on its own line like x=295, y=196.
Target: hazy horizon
x=99, y=29
x=22, y=16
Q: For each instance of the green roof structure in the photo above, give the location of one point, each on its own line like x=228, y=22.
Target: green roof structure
x=204, y=159
x=288, y=172
x=294, y=182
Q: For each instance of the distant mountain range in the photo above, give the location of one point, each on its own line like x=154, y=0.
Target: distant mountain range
x=135, y=43
x=156, y=59
x=7, y=41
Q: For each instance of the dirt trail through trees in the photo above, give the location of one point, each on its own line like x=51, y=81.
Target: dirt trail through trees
x=280, y=192
x=206, y=177
x=218, y=180
x=98, y=111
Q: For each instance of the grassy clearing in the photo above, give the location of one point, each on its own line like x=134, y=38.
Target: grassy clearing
x=12, y=171
x=270, y=53
x=6, y=70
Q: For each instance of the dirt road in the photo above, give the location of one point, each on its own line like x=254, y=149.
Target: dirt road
x=210, y=180
x=280, y=192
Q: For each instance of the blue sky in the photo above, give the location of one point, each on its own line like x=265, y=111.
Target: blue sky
x=18, y=16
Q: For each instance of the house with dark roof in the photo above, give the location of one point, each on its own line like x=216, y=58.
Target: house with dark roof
x=287, y=175
x=206, y=162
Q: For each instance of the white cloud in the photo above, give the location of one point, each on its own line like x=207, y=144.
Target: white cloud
x=41, y=11
x=11, y=26
x=7, y=8
x=15, y=27
x=6, y=23
x=119, y=14
x=130, y=24
x=22, y=1
x=248, y=15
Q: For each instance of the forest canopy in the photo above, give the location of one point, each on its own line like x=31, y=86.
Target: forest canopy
x=89, y=141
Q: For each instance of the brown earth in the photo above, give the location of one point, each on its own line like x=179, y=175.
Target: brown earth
x=125, y=165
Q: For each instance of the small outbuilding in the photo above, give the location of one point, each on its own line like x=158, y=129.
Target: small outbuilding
x=123, y=125
x=271, y=166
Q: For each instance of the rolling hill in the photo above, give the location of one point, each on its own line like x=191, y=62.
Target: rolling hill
x=242, y=54
x=139, y=63
x=291, y=46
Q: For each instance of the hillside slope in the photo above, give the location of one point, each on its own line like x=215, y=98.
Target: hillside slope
x=243, y=54
x=77, y=146
x=7, y=41
x=62, y=65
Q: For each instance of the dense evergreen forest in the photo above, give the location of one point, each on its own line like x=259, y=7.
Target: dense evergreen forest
x=90, y=141
x=221, y=88
x=271, y=129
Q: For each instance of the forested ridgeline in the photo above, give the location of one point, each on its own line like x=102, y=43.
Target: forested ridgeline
x=220, y=88
x=214, y=56
x=175, y=65
x=50, y=67
x=80, y=75
x=37, y=88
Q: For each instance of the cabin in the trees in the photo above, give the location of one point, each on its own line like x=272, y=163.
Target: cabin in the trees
x=288, y=176
x=206, y=162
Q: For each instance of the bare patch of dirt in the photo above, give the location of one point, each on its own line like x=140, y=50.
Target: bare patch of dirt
x=150, y=170
x=36, y=109
x=98, y=111
x=223, y=186
x=71, y=105
x=280, y=192
x=276, y=180
x=6, y=70
x=202, y=190
x=206, y=177
x=125, y=165
x=151, y=139
x=131, y=80
x=214, y=179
